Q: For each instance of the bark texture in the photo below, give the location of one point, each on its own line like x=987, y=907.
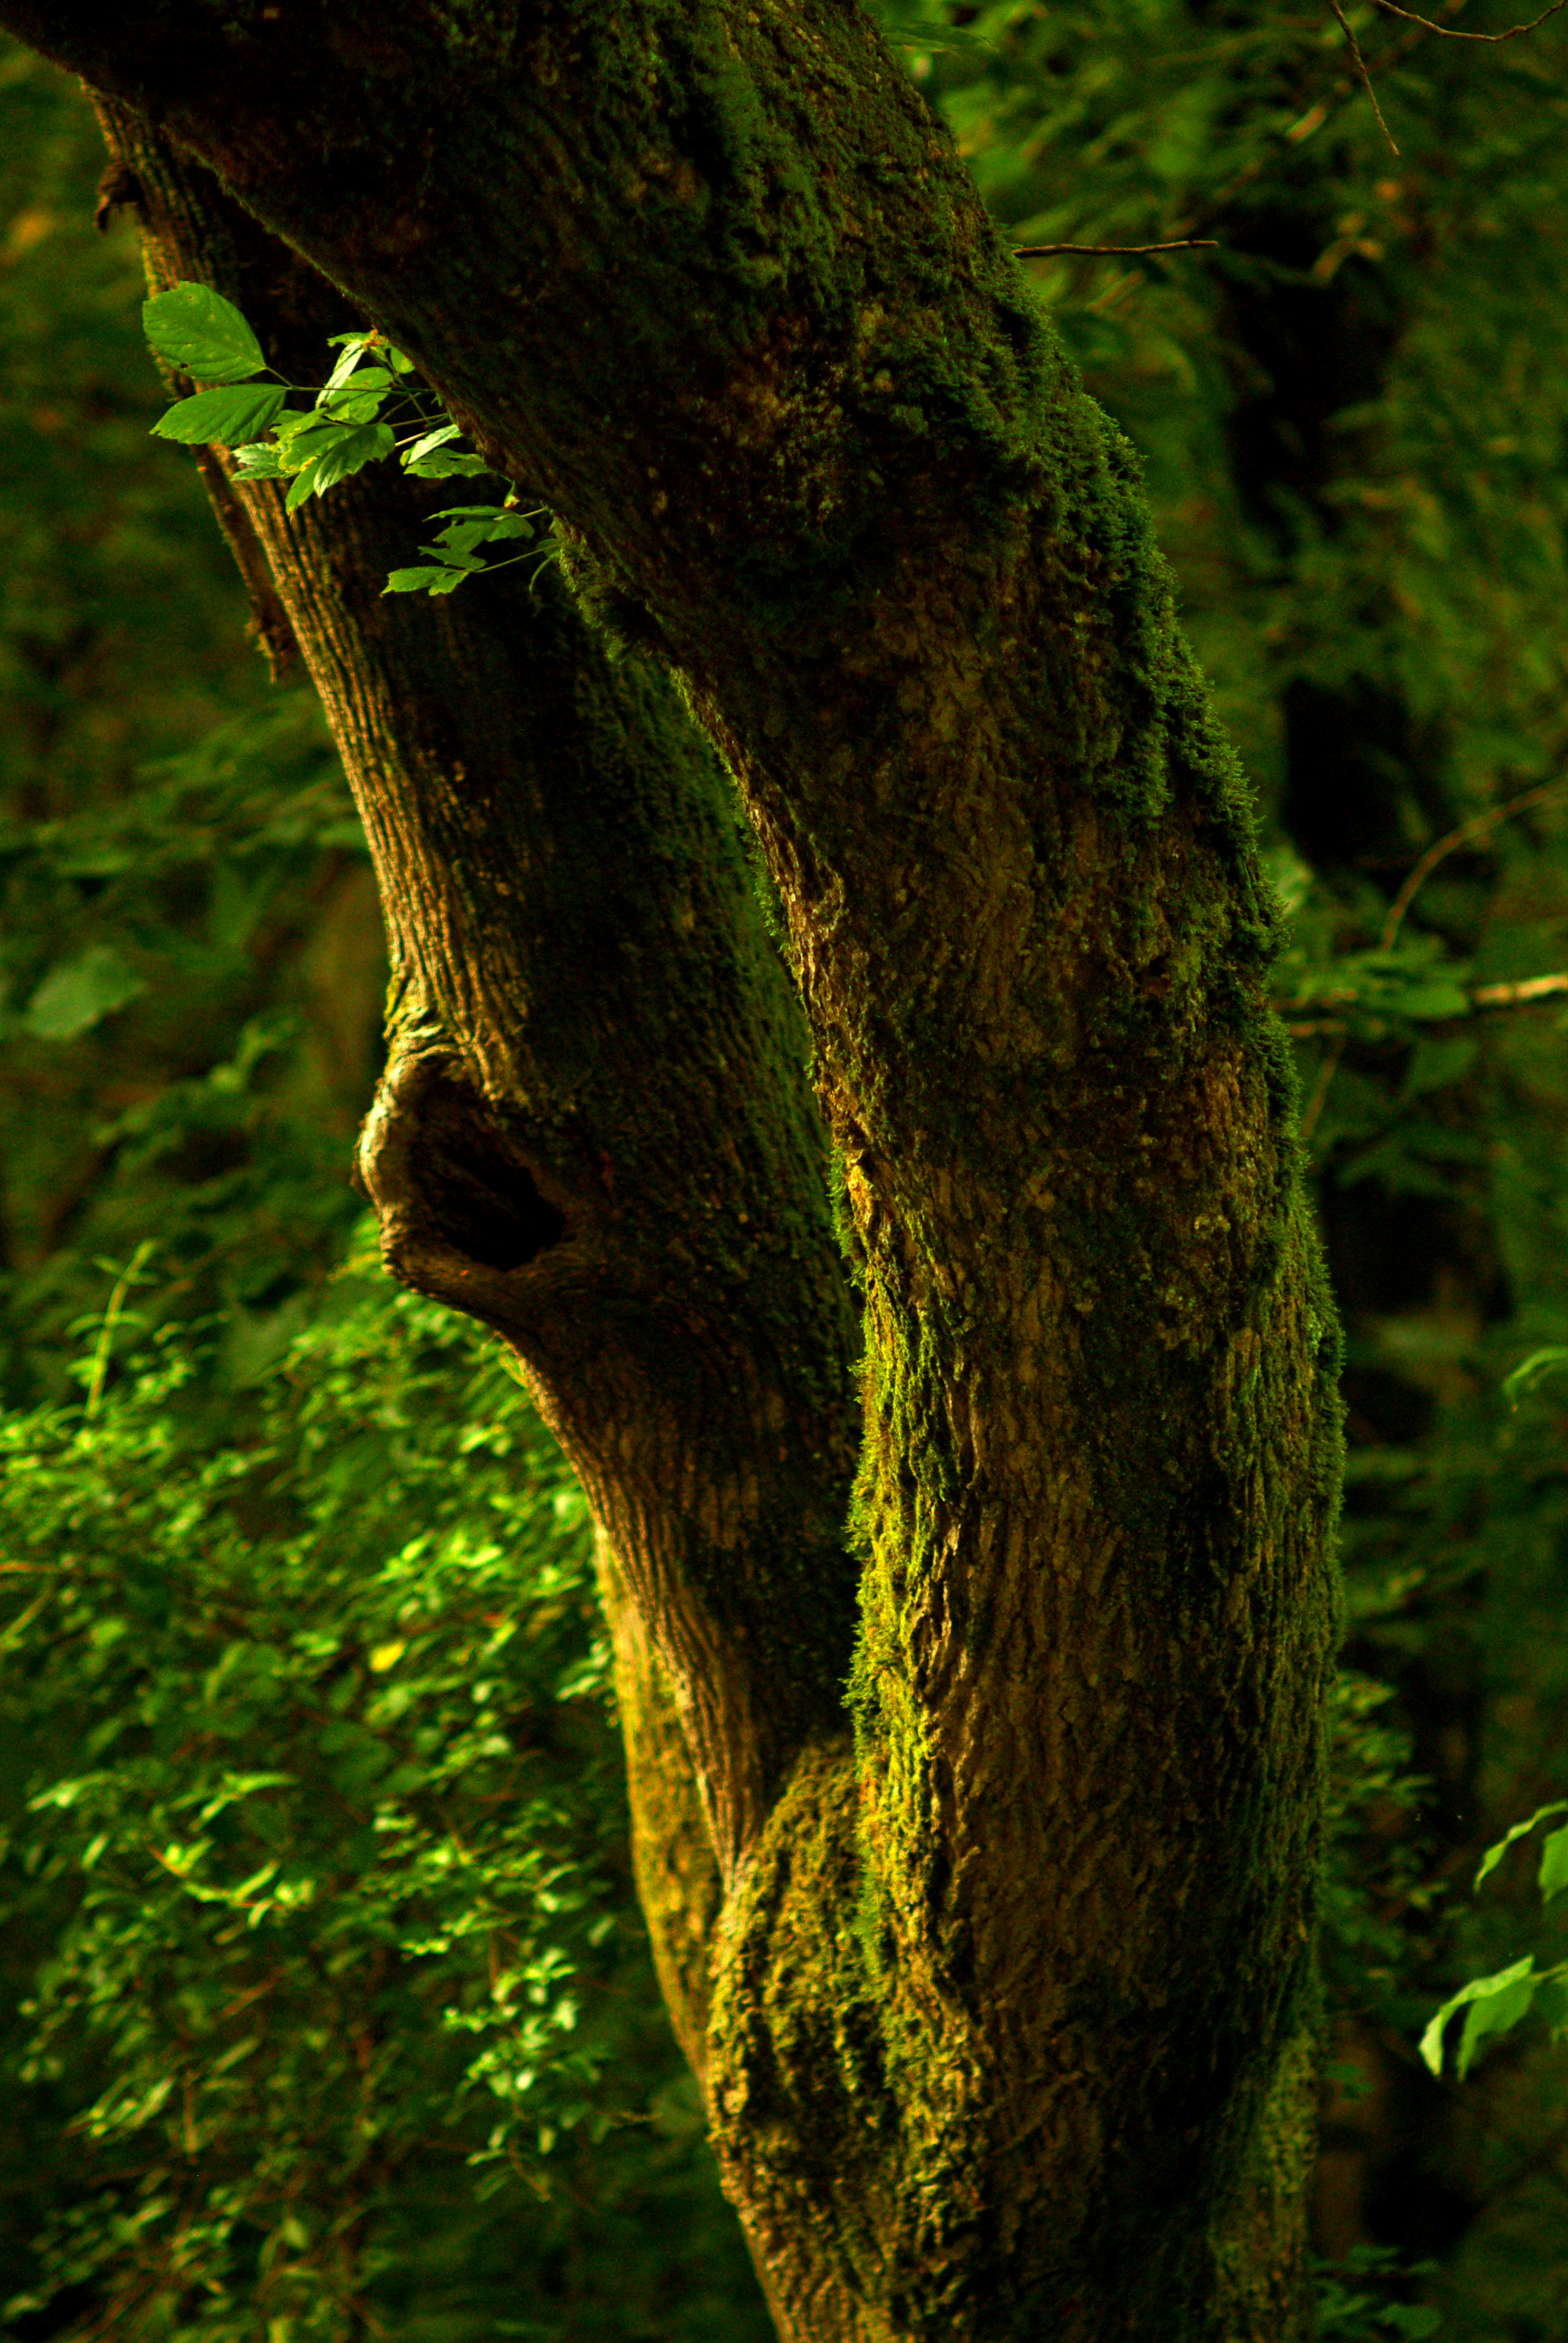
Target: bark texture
x=998, y=1972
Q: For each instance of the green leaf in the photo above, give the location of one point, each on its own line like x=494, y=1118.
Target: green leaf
x=1495, y=1854
x=1551, y=2000
x=301, y=487
x=354, y=346
x=358, y=402
x=356, y=447
x=1411, y=2318
x=75, y=996
x=196, y=329
x=421, y=580
x=300, y=423
x=320, y=453
x=431, y=439
x=1553, y=1874
x=432, y=459
x=1435, y=998
x=1512, y=1991
x=221, y=418
x=446, y=465
x=1530, y=1371
x=1438, y=1060
x=457, y=542
x=1495, y=2003
x=513, y=524
x=260, y=461
x=378, y=378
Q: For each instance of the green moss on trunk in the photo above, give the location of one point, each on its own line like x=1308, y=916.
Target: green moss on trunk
x=1013, y=1958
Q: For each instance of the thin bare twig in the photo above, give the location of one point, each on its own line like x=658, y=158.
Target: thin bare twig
x=1488, y=996
x=1445, y=32
x=1345, y=28
x=1177, y=244
x=1476, y=827
x=1326, y=1072
x=1519, y=996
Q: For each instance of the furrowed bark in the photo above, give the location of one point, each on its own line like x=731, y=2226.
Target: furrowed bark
x=595, y=1129
x=1009, y=1997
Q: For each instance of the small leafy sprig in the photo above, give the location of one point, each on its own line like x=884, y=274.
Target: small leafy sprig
x=370, y=407
x=1495, y=2004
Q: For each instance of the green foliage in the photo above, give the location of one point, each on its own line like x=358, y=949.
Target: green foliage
x=192, y=979
x=204, y=335
x=1355, y=2303
x=196, y=329
x=1352, y=418
x=324, y=1808
x=79, y=994
x=1496, y=2003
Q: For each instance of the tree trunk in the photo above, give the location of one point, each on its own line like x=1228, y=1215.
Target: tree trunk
x=986, y=1920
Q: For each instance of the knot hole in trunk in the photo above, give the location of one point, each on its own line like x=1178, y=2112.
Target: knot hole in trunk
x=482, y=1198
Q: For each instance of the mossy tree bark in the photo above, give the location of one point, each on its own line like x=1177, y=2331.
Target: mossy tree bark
x=997, y=1968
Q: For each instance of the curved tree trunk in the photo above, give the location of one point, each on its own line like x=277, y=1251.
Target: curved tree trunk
x=996, y=1964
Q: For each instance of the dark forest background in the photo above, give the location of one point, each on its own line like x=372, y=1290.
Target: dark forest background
x=326, y=2009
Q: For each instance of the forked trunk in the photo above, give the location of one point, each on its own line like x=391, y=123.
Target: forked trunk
x=967, y=1562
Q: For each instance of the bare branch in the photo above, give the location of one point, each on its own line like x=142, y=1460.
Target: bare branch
x=1465, y=835
x=1446, y=33
x=1520, y=996
x=1525, y=994
x=1344, y=24
x=1176, y=244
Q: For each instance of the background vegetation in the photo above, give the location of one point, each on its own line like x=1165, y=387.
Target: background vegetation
x=327, y=2010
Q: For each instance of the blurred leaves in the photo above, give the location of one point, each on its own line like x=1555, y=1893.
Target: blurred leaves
x=326, y=1795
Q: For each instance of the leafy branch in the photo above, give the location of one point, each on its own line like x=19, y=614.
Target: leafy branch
x=1495, y=2004
x=369, y=407
x=1400, y=979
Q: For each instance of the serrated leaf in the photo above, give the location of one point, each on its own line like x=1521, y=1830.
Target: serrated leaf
x=420, y=580
x=357, y=447
x=77, y=994
x=454, y=556
x=446, y=465
x=261, y=461
x=195, y=329
x=224, y=418
x=457, y=541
